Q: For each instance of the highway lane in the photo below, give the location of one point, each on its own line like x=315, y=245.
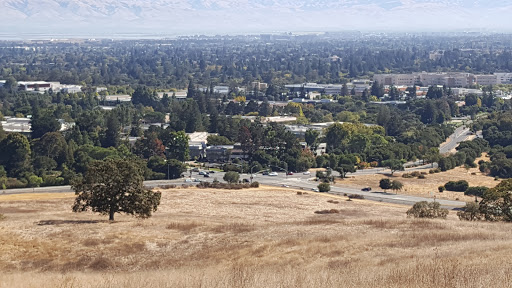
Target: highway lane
x=298, y=181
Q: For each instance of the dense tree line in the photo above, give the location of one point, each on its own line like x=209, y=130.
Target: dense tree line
x=232, y=61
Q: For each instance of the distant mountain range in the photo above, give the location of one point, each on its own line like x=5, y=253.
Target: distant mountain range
x=172, y=17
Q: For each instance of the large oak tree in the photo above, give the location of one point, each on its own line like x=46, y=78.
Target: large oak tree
x=115, y=186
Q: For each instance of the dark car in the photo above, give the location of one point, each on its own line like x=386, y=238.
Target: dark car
x=289, y=173
x=265, y=173
x=366, y=189
x=245, y=180
x=206, y=175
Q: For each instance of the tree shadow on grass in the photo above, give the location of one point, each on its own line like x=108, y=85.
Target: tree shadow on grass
x=59, y=222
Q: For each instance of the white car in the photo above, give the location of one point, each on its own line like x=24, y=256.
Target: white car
x=272, y=174
x=188, y=180
x=315, y=190
x=306, y=173
x=285, y=186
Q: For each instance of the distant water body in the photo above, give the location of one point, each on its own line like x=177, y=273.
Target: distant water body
x=63, y=36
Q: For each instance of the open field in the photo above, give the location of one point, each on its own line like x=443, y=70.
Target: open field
x=267, y=237
x=426, y=187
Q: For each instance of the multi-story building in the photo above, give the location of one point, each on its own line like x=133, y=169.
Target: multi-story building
x=486, y=80
x=36, y=86
x=259, y=86
x=426, y=79
x=504, y=78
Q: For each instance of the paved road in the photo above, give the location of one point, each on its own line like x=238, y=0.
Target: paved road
x=302, y=181
x=299, y=181
x=306, y=182
x=461, y=134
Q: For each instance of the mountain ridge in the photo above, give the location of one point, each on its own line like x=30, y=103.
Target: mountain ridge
x=225, y=16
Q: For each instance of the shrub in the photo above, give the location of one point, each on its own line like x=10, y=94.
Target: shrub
x=2, y=217
x=440, y=189
x=385, y=183
x=415, y=174
x=324, y=187
x=422, y=177
x=407, y=175
x=12, y=183
x=457, y=186
x=355, y=196
x=51, y=180
x=330, y=211
x=396, y=185
x=471, y=212
x=230, y=186
x=255, y=184
x=231, y=177
x=426, y=209
x=476, y=191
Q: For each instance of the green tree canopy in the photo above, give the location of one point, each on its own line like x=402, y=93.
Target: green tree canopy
x=231, y=177
x=114, y=186
x=43, y=122
x=15, y=154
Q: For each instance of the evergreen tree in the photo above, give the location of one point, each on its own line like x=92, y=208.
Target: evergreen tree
x=112, y=137
x=43, y=122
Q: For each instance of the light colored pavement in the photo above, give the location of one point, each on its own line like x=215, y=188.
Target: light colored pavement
x=461, y=134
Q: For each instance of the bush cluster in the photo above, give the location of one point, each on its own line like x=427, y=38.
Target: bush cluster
x=457, y=186
x=330, y=211
x=230, y=186
x=470, y=212
x=324, y=187
x=426, y=209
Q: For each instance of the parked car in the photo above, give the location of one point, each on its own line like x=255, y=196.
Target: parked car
x=315, y=190
x=273, y=174
x=289, y=173
x=366, y=189
x=211, y=172
x=206, y=175
x=307, y=173
x=202, y=173
x=286, y=186
x=265, y=173
x=195, y=169
x=245, y=180
x=188, y=180
x=197, y=180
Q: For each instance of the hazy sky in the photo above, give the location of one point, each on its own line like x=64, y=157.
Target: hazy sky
x=230, y=16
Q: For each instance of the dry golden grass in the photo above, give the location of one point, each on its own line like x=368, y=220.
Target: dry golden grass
x=248, y=238
x=426, y=187
x=34, y=196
